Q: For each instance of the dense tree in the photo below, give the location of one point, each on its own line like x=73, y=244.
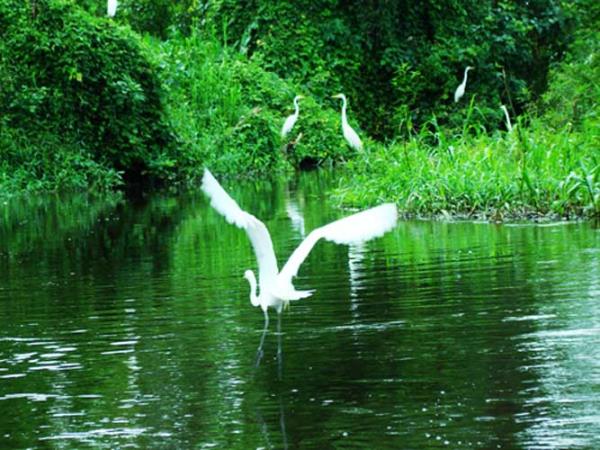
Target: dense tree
x=82, y=78
x=403, y=59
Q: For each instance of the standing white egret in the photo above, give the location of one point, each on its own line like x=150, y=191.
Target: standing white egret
x=460, y=90
x=349, y=134
x=276, y=288
x=508, y=123
x=292, y=118
x=111, y=8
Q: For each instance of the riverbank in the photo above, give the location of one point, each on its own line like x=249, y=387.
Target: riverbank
x=527, y=173
x=547, y=166
x=112, y=107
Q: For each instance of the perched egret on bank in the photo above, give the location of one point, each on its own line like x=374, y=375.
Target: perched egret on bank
x=460, y=90
x=508, y=123
x=111, y=8
x=349, y=133
x=276, y=288
x=292, y=118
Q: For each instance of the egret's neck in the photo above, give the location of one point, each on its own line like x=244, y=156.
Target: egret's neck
x=466, y=72
x=296, y=107
x=252, y=282
x=344, y=118
x=508, y=122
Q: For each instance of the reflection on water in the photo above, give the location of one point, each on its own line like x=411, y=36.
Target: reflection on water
x=128, y=324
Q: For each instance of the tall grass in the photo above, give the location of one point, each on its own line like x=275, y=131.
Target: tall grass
x=529, y=172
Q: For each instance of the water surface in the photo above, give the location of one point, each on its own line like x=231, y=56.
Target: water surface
x=127, y=324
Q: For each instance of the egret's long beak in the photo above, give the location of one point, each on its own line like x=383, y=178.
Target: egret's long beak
x=336, y=96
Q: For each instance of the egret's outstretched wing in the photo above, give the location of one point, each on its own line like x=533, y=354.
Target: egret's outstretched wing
x=359, y=227
x=256, y=230
x=223, y=203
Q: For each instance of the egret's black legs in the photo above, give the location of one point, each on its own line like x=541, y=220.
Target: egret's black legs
x=259, y=353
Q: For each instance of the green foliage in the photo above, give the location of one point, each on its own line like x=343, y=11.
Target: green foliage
x=549, y=167
x=575, y=85
x=45, y=162
x=229, y=111
x=401, y=60
x=86, y=102
x=157, y=17
x=86, y=80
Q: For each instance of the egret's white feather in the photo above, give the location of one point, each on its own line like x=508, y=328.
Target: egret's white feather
x=288, y=124
x=223, y=203
x=265, y=255
x=277, y=288
x=357, y=228
x=460, y=90
x=111, y=8
x=507, y=117
x=255, y=229
x=350, y=135
x=352, y=138
x=291, y=119
x=362, y=226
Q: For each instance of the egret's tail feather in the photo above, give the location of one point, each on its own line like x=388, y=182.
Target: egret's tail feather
x=293, y=294
x=299, y=295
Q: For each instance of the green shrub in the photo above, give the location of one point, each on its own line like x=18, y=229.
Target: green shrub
x=228, y=111
x=86, y=80
x=156, y=17
x=574, y=91
x=403, y=59
x=45, y=162
x=548, y=165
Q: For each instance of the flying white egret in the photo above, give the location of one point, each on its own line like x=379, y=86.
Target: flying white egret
x=460, y=90
x=276, y=288
x=508, y=123
x=292, y=118
x=349, y=134
x=111, y=8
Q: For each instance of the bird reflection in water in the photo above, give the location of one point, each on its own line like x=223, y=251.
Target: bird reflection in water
x=264, y=429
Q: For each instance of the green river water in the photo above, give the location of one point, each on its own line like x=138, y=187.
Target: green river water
x=127, y=324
